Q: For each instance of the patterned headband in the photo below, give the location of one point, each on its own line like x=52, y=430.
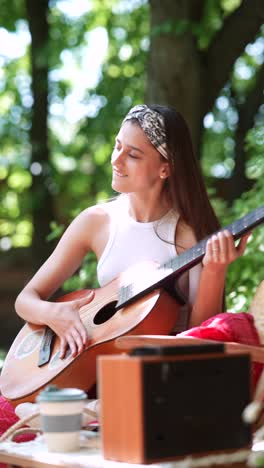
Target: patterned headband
x=152, y=123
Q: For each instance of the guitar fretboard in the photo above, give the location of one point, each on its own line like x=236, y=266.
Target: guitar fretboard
x=177, y=265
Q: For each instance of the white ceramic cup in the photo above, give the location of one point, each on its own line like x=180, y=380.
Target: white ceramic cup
x=61, y=417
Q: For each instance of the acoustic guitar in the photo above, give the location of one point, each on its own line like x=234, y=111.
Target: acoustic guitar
x=141, y=301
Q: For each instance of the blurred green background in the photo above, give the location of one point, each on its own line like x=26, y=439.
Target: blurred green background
x=69, y=72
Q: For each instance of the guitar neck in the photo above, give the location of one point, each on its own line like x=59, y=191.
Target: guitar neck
x=177, y=265
x=194, y=255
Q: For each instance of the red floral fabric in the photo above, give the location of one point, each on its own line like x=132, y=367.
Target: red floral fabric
x=8, y=417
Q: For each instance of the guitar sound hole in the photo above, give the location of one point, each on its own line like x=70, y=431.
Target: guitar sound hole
x=105, y=313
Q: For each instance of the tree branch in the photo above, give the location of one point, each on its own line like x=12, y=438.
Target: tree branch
x=239, y=29
x=238, y=182
x=247, y=111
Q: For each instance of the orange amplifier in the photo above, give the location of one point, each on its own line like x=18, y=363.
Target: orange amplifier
x=164, y=403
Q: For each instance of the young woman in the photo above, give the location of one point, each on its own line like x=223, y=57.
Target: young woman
x=163, y=210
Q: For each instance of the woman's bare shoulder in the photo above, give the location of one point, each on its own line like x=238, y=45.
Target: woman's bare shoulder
x=94, y=226
x=96, y=213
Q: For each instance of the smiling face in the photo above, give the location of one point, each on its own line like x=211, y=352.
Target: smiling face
x=137, y=165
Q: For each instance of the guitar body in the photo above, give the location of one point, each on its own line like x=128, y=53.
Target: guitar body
x=22, y=378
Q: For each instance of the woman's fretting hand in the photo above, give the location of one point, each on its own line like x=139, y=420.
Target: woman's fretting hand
x=66, y=323
x=221, y=250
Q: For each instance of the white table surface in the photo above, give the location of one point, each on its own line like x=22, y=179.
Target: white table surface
x=35, y=454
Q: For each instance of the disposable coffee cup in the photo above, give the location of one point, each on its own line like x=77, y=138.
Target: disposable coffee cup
x=61, y=417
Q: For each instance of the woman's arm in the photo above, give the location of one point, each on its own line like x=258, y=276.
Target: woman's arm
x=87, y=232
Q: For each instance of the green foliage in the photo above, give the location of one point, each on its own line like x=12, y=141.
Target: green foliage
x=204, y=30
x=86, y=276
x=175, y=27
x=245, y=273
x=11, y=12
x=218, y=160
x=255, y=149
x=219, y=151
x=257, y=459
x=2, y=358
x=214, y=14
x=56, y=230
x=79, y=172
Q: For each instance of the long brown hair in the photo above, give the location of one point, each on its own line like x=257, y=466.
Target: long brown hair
x=186, y=185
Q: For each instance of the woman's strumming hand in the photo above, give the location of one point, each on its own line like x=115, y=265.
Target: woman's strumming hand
x=65, y=321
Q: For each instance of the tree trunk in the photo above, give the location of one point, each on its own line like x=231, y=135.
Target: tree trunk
x=181, y=75
x=175, y=74
x=42, y=203
x=247, y=111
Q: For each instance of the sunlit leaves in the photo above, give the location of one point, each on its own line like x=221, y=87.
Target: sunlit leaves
x=212, y=20
x=87, y=275
x=113, y=71
x=102, y=155
x=64, y=164
x=23, y=234
x=15, y=234
x=85, y=118
x=219, y=149
x=56, y=231
x=6, y=228
x=10, y=204
x=230, y=5
x=255, y=148
x=11, y=12
x=3, y=172
x=19, y=180
x=245, y=274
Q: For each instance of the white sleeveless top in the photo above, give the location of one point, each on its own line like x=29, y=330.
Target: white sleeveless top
x=131, y=242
